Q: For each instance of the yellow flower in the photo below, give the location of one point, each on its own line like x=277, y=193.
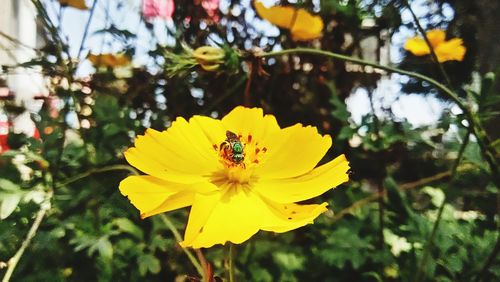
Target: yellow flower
x=240, y=174
x=451, y=50
x=78, y=4
x=109, y=60
x=210, y=58
x=302, y=25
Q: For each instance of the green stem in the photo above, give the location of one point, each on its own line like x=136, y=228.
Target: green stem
x=231, y=263
x=448, y=92
x=476, y=128
x=12, y=263
x=97, y=170
x=178, y=238
x=428, y=244
x=461, y=151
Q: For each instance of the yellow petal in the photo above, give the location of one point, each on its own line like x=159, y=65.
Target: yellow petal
x=306, y=26
x=451, y=50
x=306, y=186
x=436, y=37
x=201, y=210
x=239, y=214
x=109, y=60
x=302, y=25
x=212, y=128
x=277, y=15
x=286, y=217
x=417, y=46
x=78, y=4
x=180, y=154
x=251, y=121
x=294, y=151
x=235, y=218
x=151, y=195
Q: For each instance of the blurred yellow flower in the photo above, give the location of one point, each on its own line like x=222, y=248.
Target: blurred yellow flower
x=302, y=25
x=240, y=174
x=109, y=60
x=446, y=50
x=78, y=4
x=210, y=58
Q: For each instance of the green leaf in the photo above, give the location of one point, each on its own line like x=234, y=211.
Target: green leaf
x=7, y=185
x=9, y=204
x=104, y=247
x=148, y=263
x=288, y=261
x=129, y=227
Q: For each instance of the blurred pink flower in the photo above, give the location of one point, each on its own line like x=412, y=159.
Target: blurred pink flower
x=163, y=9
x=211, y=7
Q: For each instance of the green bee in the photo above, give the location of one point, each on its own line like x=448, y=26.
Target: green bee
x=233, y=148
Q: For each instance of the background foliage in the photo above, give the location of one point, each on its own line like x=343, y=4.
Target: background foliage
x=422, y=204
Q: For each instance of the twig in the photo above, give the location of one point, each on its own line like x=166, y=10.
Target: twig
x=461, y=152
x=403, y=187
x=428, y=244
x=97, y=170
x=12, y=263
x=204, y=263
x=86, y=31
x=178, y=238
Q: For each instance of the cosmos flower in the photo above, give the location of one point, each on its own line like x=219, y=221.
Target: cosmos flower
x=109, y=60
x=163, y=9
x=302, y=25
x=240, y=174
x=446, y=50
x=77, y=4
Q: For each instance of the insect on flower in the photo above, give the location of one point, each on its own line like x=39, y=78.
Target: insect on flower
x=232, y=149
x=240, y=174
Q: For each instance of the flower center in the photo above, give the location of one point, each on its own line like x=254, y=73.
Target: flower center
x=239, y=155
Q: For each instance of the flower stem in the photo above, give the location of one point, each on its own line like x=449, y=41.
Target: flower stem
x=428, y=244
x=476, y=128
x=231, y=263
x=98, y=170
x=178, y=238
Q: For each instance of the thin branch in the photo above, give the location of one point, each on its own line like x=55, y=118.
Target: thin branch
x=403, y=187
x=97, y=170
x=482, y=139
x=12, y=263
x=178, y=238
x=428, y=244
x=86, y=31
